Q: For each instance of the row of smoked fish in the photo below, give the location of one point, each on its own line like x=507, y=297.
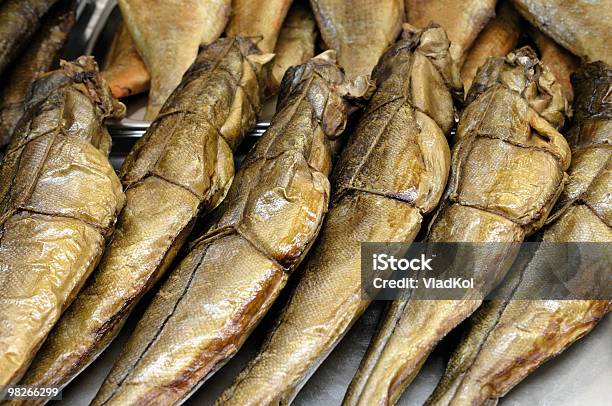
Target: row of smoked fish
x=81, y=245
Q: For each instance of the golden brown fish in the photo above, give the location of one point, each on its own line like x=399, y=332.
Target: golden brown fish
x=507, y=339
x=182, y=167
x=507, y=172
x=359, y=30
x=40, y=56
x=560, y=62
x=259, y=18
x=581, y=26
x=462, y=20
x=167, y=35
x=380, y=195
x=59, y=199
x=498, y=38
x=125, y=72
x=210, y=304
x=295, y=45
x=19, y=20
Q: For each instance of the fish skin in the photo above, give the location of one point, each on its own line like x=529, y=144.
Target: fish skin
x=125, y=72
x=497, y=192
x=59, y=198
x=507, y=339
x=498, y=38
x=462, y=20
x=167, y=35
x=372, y=202
x=560, y=61
x=259, y=18
x=295, y=45
x=41, y=56
x=360, y=30
x=182, y=167
x=19, y=20
x=236, y=269
x=582, y=27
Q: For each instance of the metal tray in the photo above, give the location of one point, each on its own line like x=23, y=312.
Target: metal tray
x=580, y=376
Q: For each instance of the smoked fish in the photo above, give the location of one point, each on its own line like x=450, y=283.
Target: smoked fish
x=59, y=200
x=462, y=20
x=295, y=45
x=508, y=169
x=182, y=167
x=19, y=20
x=498, y=38
x=167, y=35
x=359, y=30
x=508, y=339
x=219, y=292
x=560, y=61
x=40, y=56
x=582, y=27
x=125, y=72
x=259, y=18
x=404, y=127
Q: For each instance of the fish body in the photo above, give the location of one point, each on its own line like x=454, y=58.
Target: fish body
x=498, y=38
x=507, y=339
x=582, y=27
x=182, y=167
x=508, y=169
x=259, y=18
x=40, y=56
x=462, y=20
x=295, y=45
x=360, y=30
x=125, y=72
x=219, y=292
x=560, y=61
x=59, y=201
x=167, y=35
x=19, y=20
x=403, y=127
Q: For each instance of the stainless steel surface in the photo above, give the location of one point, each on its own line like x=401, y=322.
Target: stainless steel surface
x=130, y=128
x=104, y=8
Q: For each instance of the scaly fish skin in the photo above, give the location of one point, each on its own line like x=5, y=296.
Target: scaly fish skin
x=125, y=72
x=359, y=30
x=372, y=202
x=583, y=27
x=507, y=339
x=167, y=35
x=209, y=305
x=59, y=198
x=40, y=56
x=19, y=20
x=462, y=20
x=498, y=38
x=295, y=45
x=182, y=167
x=507, y=172
x=259, y=18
